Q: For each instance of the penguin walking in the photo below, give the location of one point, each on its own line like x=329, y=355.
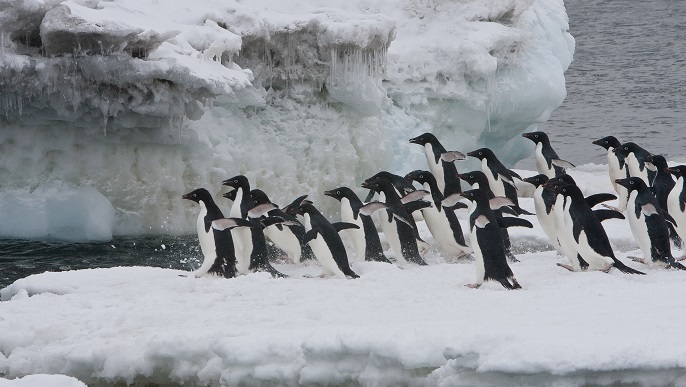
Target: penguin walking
x=441, y=163
x=251, y=251
x=487, y=243
x=662, y=186
x=617, y=168
x=365, y=239
x=547, y=160
x=588, y=234
x=637, y=161
x=286, y=237
x=676, y=201
x=401, y=237
x=216, y=245
x=442, y=222
x=648, y=224
x=500, y=179
x=326, y=244
x=478, y=179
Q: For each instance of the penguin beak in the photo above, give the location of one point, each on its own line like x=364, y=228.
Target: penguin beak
x=622, y=182
x=673, y=171
x=597, y=142
x=365, y=184
x=527, y=135
x=473, y=154
x=414, y=140
x=329, y=193
x=186, y=196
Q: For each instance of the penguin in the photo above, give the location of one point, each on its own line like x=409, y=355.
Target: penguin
x=544, y=202
x=286, y=237
x=401, y=237
x=586, y=231
x=252, y=253
x=662, y=186
x=676, y=201
x=478, y=179
x=365, y=239
x=636, y=159
x=441, y=163
x=326, y=244
x=648, y=224
x=617, y=168
x=442, y=222
x=216, y=245
x=487, y=243
x=500, y=179
x=547, y=160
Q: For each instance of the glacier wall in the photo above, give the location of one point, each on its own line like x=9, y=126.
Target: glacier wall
x=137, y=102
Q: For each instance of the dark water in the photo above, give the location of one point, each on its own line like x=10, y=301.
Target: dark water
x=627, y=79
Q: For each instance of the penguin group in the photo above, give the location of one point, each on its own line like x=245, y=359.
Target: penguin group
x=655, y=206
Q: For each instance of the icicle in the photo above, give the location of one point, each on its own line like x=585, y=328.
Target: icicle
x=2, y=43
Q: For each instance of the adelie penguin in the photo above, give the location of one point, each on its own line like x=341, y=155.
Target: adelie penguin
x=676, y=201
x=648, y=225
x=442, y=222
x=401, y=236
x=216, y=245
x=365, y=239
x=500, y=179
x=544, y=203
x=637, y=161
x=487, y=241
x=251, y=247
x=547, y=160
x=617, y=168
x=587, y=233
x=326, y=244
x=441, y=163
x=662, y=186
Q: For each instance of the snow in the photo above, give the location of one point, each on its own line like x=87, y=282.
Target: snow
x=42, y=380
x=144, y=101
x=392, y=326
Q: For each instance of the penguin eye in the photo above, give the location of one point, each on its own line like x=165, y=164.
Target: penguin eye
x=564, y=189
x=606, y=141
x=338, y=192
x=535, y=135
x=421, y=176
x=631, y=182
x=195, y=195
x=626, y=148
x=235, y=181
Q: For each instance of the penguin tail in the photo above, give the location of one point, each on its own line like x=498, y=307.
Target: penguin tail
x=266, y=266
x=626, y=269
x=350, y=273
x=677, y=265
x=506, y=284
x=515, y=284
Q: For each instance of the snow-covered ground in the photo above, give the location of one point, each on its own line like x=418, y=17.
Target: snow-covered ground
x=392, y=326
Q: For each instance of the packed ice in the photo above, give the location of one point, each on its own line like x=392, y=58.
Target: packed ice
x=144, y=101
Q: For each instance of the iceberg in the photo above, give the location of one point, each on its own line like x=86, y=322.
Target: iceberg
x=144, y=101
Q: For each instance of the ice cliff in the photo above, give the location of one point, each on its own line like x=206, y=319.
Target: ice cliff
x=114, y=109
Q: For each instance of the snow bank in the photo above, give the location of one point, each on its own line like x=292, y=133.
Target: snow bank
x=392, y=326
x=42, y=380
x=145, y=101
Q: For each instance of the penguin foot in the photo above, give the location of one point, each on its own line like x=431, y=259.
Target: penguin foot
x=512, y=258
x=637, y=259
x=611, y=207
x=680, y=258
x=607, y=268
x=568, y=267
x=473, y=286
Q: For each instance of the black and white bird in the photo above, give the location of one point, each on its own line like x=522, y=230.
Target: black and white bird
x=547, y=160
x=662, y=186
x=617, y=166
x=638, y=162
x=676, y=201
x=648, y=224
x=441, y=163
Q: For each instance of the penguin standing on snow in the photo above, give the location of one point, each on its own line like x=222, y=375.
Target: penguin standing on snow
x=547, y=160
x=544, y=202
x=487, y=243
x=676, y=201
x=216, y=245
x=617, y=168
x=637, y=161
x=662, y=186
x=648, y=224
x=365, y=239
x=441, y=163
x=500, y=179
x=442, y=222
x=587, y=233
x=326, y=244
x=401, y=236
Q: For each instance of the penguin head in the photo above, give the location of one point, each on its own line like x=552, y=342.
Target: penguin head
x=231, y=195
x=483, y=153
x=631, y=183
x=200, y=194
x=555, y=183
x=471, y=195
x=608, y=142
x=419, y=176
x=537, y=180
x=628, y=147
x=294, y=207
x=239, y=181
x=658, y=161
x=339, y=193
x=567, y=190
x=257, y=196
x=474, y=177
x=375, y=183
x=536, y=137
x=426, y=138
x=678, y=171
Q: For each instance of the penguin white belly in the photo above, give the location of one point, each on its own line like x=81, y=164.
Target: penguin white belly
x=285, y=240
x=674, y=209
x=390, y=230
x=496, y=184
x=357, y=235
x=617, y=173
x=563, y=231
x=436, y=168
x=541, y=164
x=639, y=228
x=547, y=221
x=207, y=246
x=635, y=170
x=595, y=261
x=243, y=236
x=478, y=256
x=323, y=253
x=439, y=226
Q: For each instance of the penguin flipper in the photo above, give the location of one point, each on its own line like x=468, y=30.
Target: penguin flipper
x=521, y=211
x=514, y=174
x=499, y=201
x=229, y=223
x=340, y=226
x=624, y=268
x=604, y=215
x=416, y=205
x=593, y=200
x=414, y=196
x=309, y=236
x=278, y=221
x=456, y=206
x=451, y=156
x=506, y=222
x=562, y=163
